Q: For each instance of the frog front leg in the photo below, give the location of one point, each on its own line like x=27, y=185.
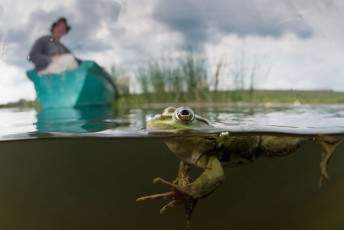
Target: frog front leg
x=186, y=192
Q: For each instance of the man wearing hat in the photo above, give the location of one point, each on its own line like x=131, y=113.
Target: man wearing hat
x=49, y=55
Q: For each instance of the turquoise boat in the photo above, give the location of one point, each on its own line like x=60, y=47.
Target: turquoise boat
x=88, y=85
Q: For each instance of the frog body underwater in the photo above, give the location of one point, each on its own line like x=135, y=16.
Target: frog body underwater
x=214, y=151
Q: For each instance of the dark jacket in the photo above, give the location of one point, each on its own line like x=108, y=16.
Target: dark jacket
x=42, y=51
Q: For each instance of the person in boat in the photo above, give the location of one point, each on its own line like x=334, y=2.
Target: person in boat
x=49, y=55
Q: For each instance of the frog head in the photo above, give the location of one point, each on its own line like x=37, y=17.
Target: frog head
x=177, y=118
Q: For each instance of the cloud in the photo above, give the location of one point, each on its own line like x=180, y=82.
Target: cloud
x=14, y=84
x=282, y=63
x=86, y=17
x=90, y=18
x=1, y=11
x=196, y=20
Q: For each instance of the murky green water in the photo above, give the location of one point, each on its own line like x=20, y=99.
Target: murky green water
x=84, y=169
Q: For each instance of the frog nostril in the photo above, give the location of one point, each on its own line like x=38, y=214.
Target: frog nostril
x=169, y=110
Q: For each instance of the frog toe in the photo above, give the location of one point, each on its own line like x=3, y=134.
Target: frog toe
x=155, y=196
x=171, y=204
x=177, y=196
x=177, y=193
x=173, y=186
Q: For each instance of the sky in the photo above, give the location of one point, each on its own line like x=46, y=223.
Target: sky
x=294, y=44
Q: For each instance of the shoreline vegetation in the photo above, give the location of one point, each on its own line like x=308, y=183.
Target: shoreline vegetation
x=266, y=97
x=190, y=76
x=240, y=96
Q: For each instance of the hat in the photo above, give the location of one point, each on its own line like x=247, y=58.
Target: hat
x=62, y=19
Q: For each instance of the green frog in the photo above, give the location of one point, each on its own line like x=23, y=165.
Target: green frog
x=212, y=152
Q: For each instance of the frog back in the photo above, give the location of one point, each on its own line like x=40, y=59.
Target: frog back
x=238, y=149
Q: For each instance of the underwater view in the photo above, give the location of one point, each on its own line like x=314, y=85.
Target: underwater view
x=85, y=168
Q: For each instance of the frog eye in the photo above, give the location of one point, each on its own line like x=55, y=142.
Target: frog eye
x=184, y=115
x=169, y=110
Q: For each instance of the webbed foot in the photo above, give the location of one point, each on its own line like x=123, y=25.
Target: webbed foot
x=178, y=196
x=328, y=144
x=185, y=192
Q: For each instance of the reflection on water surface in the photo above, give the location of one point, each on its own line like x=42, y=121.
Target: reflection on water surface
x=115, y=122
x=70, y=120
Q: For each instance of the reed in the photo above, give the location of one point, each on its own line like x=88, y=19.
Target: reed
x=186, y=77
x=177, y=79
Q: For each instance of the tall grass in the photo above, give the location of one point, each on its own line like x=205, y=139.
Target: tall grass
x=121, y=80
x=187, y=77
x=182, y=78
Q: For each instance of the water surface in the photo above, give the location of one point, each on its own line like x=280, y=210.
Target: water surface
x=114, y=122
x=84, y=169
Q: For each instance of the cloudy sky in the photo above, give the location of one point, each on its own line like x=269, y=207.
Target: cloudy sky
x=297, y=44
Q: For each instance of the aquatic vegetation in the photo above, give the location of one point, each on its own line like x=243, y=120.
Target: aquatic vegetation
x=213, y=151
x=188, y=77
